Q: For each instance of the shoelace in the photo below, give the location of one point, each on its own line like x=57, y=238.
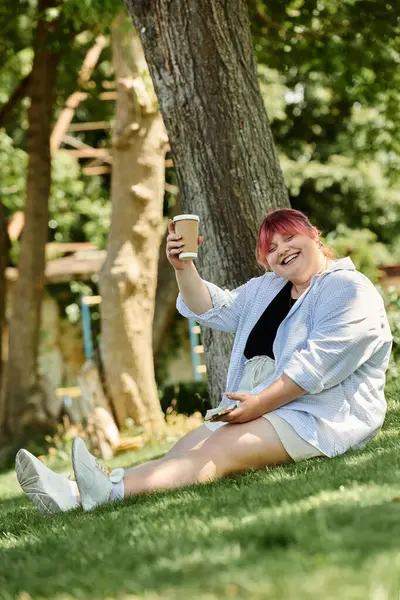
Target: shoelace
x=114, y=475
x=104, y=469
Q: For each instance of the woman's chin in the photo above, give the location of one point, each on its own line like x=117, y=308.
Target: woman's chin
x=289, y=269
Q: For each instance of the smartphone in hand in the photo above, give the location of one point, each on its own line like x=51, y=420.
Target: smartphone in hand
x=214, y=413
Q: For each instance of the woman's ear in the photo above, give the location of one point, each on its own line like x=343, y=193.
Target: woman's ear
x=318, y=241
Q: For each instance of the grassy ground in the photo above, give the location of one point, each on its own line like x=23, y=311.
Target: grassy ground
x=319, y=529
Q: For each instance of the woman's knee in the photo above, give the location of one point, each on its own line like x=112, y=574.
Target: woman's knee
x=236, y=447
x=192, y=440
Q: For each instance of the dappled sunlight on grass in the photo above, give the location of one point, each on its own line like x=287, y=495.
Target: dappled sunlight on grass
x=9, y=486
x=317, y=529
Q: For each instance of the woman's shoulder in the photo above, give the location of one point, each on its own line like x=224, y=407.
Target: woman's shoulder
x=263, y=279
x=346, y=278
x=269, y=279
x=346, y=283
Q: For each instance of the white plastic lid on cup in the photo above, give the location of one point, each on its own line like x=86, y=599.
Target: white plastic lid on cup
x=183, y=217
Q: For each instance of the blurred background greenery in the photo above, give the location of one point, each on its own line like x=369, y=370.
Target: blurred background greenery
x=329, y=74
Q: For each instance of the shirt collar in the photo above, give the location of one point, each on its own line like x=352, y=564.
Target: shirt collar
x=340, y=264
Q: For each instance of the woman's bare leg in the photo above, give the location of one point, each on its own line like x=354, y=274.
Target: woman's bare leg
x=191, y=440
x=230, y=449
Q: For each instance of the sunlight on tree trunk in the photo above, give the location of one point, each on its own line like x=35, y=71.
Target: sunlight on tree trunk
x=128, y=279
x=200, y=57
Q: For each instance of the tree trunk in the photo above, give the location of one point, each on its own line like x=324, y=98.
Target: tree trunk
x=201, y=60
x=129, y=277
x=25, y=395
x=167, y=289
x=3, y=264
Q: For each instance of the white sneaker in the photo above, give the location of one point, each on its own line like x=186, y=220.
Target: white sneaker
x=49, y=491
x=95, y=481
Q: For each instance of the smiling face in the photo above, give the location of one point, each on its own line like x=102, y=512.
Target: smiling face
x=308, y=261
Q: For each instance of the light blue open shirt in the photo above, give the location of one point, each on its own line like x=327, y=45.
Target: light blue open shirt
x=335, y=343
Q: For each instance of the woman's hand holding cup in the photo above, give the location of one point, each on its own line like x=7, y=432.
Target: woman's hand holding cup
x=175, y=246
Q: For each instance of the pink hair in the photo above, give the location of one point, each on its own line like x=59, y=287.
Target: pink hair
x=286, y=221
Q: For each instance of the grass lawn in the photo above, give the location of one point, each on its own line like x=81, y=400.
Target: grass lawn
x=319, y=529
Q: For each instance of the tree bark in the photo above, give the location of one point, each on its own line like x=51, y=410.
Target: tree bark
x=201, y=60
x=128, y=279
x=25, y=395
x=3, y=264
x=165, y=304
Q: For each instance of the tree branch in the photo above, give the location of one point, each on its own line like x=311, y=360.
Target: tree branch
x=20, y=92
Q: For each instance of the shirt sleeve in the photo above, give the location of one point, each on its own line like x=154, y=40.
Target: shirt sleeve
x=228, y=305
x=346, y=333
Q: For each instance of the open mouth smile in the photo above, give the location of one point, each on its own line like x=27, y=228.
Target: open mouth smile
x=291, y=258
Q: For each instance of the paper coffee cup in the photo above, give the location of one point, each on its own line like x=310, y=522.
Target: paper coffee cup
x=188, y=227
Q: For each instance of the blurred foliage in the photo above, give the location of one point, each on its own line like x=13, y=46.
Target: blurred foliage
x=362, y=247
x=77, y=24
x=79, y=206
x=329, y=76
x=391, y=297
x=14, y=163
x=16, y=54
x=91, y=13
x=68, y=296
x=331, y=89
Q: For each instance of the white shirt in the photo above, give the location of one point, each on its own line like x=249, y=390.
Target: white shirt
x=335, y=343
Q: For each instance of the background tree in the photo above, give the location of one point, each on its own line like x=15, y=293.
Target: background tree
x=78, y=205
x=128, y=279
x=22, y=386
x=26, y=397
x=3, y=264
x=202, y=65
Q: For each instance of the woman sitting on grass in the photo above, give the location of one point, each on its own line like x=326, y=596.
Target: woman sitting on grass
x=306, y=374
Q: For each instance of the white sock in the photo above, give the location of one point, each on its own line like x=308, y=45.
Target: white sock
x=72, y=486
x=117, y=493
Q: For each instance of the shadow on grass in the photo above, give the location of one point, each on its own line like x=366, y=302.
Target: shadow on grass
x=268, y=525
x=189, y=537
x=12, y=503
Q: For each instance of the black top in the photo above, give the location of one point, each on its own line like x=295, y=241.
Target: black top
x=263, y=334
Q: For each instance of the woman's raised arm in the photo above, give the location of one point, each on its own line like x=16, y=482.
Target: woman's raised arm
x=224, y=310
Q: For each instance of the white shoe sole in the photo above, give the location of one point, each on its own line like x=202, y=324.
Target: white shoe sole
x=29, y=479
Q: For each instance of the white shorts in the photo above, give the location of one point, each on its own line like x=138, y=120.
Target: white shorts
x=257, y=370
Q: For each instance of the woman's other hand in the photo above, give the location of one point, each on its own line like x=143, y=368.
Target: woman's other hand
x=250, y=408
